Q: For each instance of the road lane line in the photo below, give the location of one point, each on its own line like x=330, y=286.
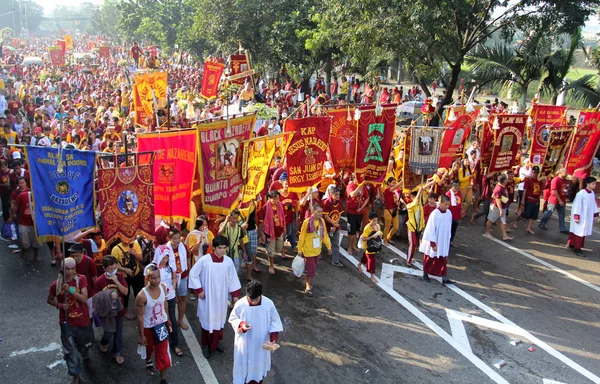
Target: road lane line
x=205, y=370
x=546, y=264
x=49, y=348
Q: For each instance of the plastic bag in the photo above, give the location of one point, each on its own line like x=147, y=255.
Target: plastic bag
x=360, y=243
x=9, y=231
x=298, y=266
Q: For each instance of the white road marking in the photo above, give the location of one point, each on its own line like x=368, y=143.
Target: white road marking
x=457, y=327
x=546, y=381
x=55, y=364
x=205, y=370
x=507, y=325
x=49, y=348
x=546, y=264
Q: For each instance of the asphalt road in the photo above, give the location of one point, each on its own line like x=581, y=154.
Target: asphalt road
x=354, y=331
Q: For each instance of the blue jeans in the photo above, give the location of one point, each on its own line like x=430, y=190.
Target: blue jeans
x=76, y=343
x=292, y=230
x=335, y=247
x=118, y=338
x=548, y=214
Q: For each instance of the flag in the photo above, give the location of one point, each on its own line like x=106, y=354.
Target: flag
x=374, y=144
x=584, y=144
x=425, y=150
x=91, y=45
x=455, y=134
x=62, y=196
x=307, y=151
x=68, y=42
x=558, y=143
x=508, y=133
x=543, y=119
x=144, y=84
x=126, y=202
x=342, y=139
x=239, y=65
x=175, y=157
x=221, y=159
x=487, y=143
x=63, y=46
x=56, y=55
x=104, y=52
x=211, y=78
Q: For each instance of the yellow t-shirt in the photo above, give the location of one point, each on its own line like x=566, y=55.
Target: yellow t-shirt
x=306, y=245
x=368, y=231
x=123, y=256
x=11, y=138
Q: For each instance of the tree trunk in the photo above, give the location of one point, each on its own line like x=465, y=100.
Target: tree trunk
x=424, y=87
x=328, y=68
x=400, y=70
x=389, y=75
x=449, y=93
x=523, y=99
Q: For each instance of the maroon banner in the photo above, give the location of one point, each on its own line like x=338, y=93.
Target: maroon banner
x=374, y=144
x=453, y=140
x=104, y=52
x=508, y=132
x=126, y=202
x=584, y=144
x=211, y=78
x=63, y=46
x=342, y=139
x=239, y=64
x=56, y=55
x=543, y=119
x=558, y=143
x=307, y=151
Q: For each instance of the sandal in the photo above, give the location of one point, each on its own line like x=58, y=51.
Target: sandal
x=150, y=368
x=119, y=359
x=178, y=351
x=309, y=292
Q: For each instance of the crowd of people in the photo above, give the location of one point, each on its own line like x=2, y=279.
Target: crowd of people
x=89, y=107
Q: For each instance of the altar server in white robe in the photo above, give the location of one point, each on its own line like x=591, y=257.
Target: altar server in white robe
x=436, y=242
x=583, y=212
x=255, y=321
x=214, y=277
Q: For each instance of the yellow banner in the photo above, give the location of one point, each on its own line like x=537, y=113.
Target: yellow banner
x=69, y=42
x=144, y=84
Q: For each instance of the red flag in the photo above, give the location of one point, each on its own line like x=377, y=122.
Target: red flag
x=374, y=145
x=56, y=55
x=342, y=139
x=174, y=166
x=220, y=162
x=239, y=64
x=584, y=144
x=91, y=45
x=63, y=46
x=453, y=140
x=307, y=151
x=544, y=118
x=508, y=132
x=104, y=52
x=211, y=78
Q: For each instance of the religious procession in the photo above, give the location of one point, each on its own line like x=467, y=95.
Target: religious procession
x=200, y=218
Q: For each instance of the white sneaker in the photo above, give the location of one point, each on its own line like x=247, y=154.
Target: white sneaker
x=13, y=246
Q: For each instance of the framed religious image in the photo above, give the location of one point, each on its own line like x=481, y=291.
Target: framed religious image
x=458, y=136
x=425, y=145
x=128, y=202
x=507, y=143
x=227, y=158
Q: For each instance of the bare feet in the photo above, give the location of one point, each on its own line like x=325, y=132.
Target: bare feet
x=351, y=251
x=373, y=279
x=507, y=238
x=183, y=325
x=360, y=270
x=530, y=231
x=515, y=226
x=488, y=235
x=271, y=270
x=473, y=219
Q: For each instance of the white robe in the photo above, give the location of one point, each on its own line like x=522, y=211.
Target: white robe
x=250, y=360
x=217, y=280
x=585, y=206
x=438, y=231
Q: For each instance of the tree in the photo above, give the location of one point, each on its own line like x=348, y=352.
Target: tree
x=104, y=19
x=28, y=16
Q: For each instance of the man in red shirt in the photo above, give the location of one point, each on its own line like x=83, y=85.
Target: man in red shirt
x=557, y=200
x=14, y=105
x=498, y=208
x=135, y=53
x=455, y=208
x=272, y=225
x=22, y=213
x=332, y=211
x=530, y=204
x=290, y=202
x=358, y=198
x=69, y=295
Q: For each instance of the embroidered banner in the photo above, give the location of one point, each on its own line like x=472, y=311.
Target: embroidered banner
x=410, y=180
x=175, y=157
x=239, y=64
x=425, y=150
x=126, y=202
x=374, y=143
x=144, y=84
x=584, y=144
x=221, y=159
x=104, y=52
x=543, y=119
x=487, y=143
x=68, y=42
x=91, y=45
x=558, y=143
x=508, y=131
x=211, y=78
x=56, y=55
x=342, y=139
x=63, y=195
x=307, y=151
x=63, y=46
x=453, y=140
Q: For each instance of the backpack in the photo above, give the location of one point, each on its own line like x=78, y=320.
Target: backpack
x=147, y=250
x=374, y=245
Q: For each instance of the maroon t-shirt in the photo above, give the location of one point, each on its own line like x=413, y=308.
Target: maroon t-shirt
x=23, y=209
x=456, y=210
x=534, y=190
x=561, y=186
x=353, y=203
x=103, y=283
x=78, y=314
x=333, y=209
x=499, y=193
x=87, y=268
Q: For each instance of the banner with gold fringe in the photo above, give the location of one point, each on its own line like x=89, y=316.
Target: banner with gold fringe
x=211, y=78
x=543, y=119
x=342, y=138
x=143, y=98
x=584, y=144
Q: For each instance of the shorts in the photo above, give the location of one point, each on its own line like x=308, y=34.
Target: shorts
x=310, y=265
x=530, y=210
x=355, y=222
x=27, y=237
x=274, y=246
x=182, y=287
x=494, y=215
x=162, y=357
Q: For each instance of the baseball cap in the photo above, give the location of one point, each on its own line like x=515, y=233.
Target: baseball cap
x=535, y=168
x=37, y=129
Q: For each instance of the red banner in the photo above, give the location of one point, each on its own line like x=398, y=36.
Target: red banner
x=508, y=131
x=453, y=140
x=221, y=158
x=558, y=143
x=174, y=166
x=91, y=45
x=56, y=55
x=211, y=78
x=63, y=46
x=342, y=139
x=126, y=202
x=584, y=144
x=104, y=52
x=239, y=64
x=543, y=119
x=374, y=144
x=307, y=151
